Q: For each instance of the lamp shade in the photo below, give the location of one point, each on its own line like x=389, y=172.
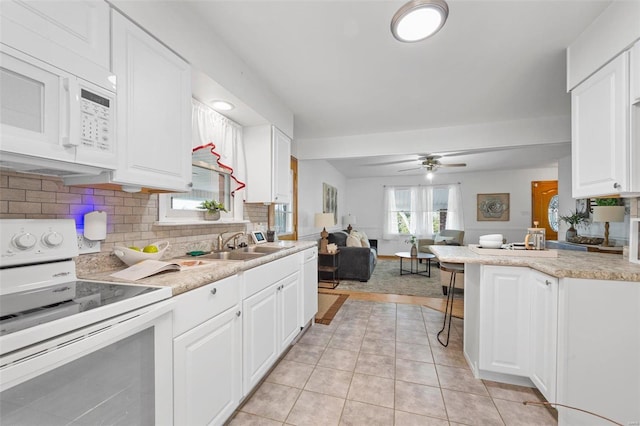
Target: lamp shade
x=608, y=214
x=323, y=220
x=349, y=219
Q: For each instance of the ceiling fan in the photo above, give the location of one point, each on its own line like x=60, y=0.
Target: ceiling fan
x=431, y=163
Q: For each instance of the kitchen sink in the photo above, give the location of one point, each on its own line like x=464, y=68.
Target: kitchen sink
x=260, y=249
x=231, y=255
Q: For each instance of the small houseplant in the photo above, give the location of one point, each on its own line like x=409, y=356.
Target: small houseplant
x=212, y=209
x=573, y=219
x=412, y=240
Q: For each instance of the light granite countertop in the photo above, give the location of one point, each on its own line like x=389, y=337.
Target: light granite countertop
x=568, y=264
x=192, y=278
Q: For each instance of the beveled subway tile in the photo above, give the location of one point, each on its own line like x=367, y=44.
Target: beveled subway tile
x=329, y=382
x=372, y=390
x=460, y=379
x=512, y=392
x=272, y=401
x=376, y=365
x=416, y=372
x=516, y=413
x=468, y=408
x=414, y=352
x=290, y=373
x=246, y=419
x=306, y=412
x=358, y=413
x=419, y=399
x=340, y=359
x=346, y=343
x=378, y=347
x=307, y=354
x=403, y=418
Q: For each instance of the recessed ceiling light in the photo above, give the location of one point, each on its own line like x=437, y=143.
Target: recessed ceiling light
x=222, y=105
x=419, y=19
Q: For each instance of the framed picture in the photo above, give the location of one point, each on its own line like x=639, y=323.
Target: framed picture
x=493, y=207
x=583, y=205
x=330, y=200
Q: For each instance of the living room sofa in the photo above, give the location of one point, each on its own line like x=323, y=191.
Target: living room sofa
x=356, y=263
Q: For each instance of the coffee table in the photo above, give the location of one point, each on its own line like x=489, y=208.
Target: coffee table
x=415, y=261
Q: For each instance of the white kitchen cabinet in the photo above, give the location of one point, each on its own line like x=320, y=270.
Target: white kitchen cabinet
x=207, y=353
x=208, y=370
x=270, y=325
x=153, y=111
x=602, y=152
x=598, y=351
x=544, y=333
x=504, y=320
x=268, y=154
x=71, y=35
x=634, y=74
x=309, y=285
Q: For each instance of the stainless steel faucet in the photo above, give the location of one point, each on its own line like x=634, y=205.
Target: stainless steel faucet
x=222, y=243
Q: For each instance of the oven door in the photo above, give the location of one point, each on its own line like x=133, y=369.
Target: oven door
x=117, y=371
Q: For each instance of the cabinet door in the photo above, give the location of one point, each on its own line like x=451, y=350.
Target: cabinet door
x=544, y=333
x=289, y=309
x=281, y=167
x=634, y=74
x=153, y=110
x=71, y=35
x=260, y=340
x=208, y=370
x=600, y=136
x=504, y=320
x=309, y=280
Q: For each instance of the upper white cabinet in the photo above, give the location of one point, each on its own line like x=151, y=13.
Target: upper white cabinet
x=600, y=148
x=71, y=35
x=504, y=320
x=635, y=74
x=268, y=152
x=544, y=333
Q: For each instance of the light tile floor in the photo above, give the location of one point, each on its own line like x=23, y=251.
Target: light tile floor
x=380, y=364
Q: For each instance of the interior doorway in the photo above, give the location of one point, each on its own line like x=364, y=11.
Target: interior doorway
x=544, y=206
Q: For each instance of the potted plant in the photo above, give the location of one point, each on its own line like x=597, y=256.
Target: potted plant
x=212, y=209
x=412, y=240
x=573, y=219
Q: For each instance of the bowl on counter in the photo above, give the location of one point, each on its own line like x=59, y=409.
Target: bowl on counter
x=490, y=244
x=131, y=257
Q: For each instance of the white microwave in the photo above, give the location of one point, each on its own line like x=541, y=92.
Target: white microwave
x=52, y=122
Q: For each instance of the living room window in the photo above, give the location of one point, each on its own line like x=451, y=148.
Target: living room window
x=421, y=210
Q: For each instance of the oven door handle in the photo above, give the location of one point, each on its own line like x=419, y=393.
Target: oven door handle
x=22, y=365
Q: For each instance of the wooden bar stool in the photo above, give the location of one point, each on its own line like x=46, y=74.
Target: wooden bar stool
x=453, y=268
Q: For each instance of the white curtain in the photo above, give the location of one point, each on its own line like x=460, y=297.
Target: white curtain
x=418, y=207
x=223, y=138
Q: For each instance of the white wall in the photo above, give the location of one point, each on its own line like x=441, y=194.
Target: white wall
x=311, y=175
x=364, y=199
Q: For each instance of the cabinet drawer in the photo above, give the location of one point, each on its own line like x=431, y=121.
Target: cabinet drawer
x=263, y=276
x=199, y=305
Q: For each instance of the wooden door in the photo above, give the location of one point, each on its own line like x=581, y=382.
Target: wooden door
x=542, y=196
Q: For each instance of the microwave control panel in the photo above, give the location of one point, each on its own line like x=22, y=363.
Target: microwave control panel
x=96, y=121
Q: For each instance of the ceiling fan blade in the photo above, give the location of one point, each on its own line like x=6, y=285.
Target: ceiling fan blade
x=453, y=165
x=392, y=162
x=406, y=170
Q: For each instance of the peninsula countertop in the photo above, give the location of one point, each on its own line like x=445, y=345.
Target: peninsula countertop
x=568, y=264
x=192, y=278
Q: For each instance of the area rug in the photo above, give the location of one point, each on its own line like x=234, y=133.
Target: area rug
x=386, y=279
x=328, y=306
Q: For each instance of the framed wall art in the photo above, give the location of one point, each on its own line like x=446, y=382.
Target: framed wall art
x=493, y=207
x=330, y=200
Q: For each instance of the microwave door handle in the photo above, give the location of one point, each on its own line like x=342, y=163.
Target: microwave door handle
x=70, y=113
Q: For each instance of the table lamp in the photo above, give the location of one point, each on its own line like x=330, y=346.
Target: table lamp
x=350, y=220
x=608, y=214
x=322, y=220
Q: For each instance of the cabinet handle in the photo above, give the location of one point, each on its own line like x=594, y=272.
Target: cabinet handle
x=214, y=290
x=616, y=185
x=238, y=313
x=547, y=282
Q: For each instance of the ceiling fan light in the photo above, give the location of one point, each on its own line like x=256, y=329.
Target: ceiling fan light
x=419, y=19
x=430, y=175
x=222, y=105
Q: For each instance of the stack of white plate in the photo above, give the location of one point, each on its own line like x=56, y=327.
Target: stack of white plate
x=491, y=241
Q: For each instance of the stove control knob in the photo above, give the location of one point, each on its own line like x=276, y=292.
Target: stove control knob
x=24, y=241
x=52, y=239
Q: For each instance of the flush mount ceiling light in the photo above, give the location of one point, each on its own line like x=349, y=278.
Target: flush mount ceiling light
x=419, y=19
x=222, y=105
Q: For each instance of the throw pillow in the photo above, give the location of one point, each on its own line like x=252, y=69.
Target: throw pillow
x=364, y=240
x=352, y=241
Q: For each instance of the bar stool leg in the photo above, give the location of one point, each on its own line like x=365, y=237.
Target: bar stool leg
x=448, y=310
